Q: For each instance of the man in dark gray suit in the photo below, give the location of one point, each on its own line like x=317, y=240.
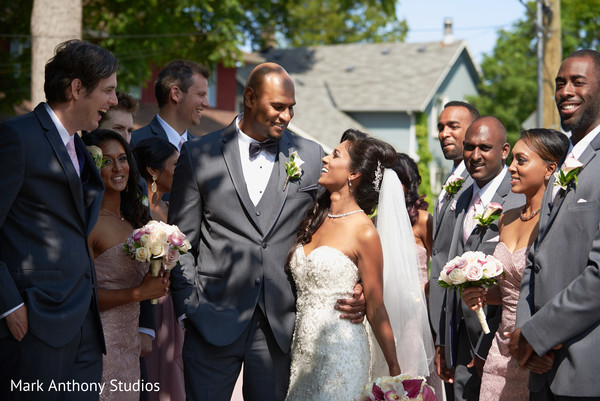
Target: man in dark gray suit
x=50, y=330
x=559, y=304
x=485, y=151
x=453, y=123
x=230, y=198
x=181, y=91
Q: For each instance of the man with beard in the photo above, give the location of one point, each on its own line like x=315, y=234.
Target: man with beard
x=558, y=314
x=453, y=123
x=485, y=150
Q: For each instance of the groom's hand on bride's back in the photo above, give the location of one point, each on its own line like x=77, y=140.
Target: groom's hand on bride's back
x=353, y=308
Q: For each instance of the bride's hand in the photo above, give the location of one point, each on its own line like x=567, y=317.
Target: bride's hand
x=474, y=297
x=353, y=308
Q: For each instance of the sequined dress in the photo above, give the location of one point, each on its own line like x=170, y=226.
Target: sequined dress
x=330, y=356
x=121, y=365
x=503, y=379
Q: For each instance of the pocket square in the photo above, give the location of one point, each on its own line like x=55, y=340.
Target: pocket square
x=582, y=201
x=495, y=239
x=309, y=188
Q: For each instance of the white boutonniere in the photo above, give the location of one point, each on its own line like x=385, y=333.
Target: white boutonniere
x=97, y=156
x=492, y=212
x=292, y=168
x=568, y=174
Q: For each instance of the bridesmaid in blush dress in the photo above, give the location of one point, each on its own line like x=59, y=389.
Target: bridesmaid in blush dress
x=156, y=158
x=535, y=156
x=122, y=282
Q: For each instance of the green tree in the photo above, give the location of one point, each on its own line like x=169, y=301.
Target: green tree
x=509, y=86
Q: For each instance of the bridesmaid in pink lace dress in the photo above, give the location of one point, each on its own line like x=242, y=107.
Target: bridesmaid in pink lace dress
x=122, y=282
x=535, y=156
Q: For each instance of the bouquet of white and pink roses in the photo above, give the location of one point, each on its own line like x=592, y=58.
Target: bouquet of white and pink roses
x=158, y=243
x=401, y=387
x=472, y=269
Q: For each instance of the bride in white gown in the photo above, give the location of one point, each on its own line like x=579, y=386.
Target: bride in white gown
x=338, y=245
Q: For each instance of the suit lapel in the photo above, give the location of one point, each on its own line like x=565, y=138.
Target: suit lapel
x=157, y=129
x=588, y=154
x=231, y=155
x=93, y=187
x=60, y=150
x=285, y=148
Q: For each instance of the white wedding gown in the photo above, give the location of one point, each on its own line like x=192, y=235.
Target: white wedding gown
x=330, y=356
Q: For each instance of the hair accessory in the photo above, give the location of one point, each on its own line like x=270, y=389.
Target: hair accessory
x=153, y=185
x=378, y=176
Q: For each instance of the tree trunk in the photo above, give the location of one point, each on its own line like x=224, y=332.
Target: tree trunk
x=52, y=22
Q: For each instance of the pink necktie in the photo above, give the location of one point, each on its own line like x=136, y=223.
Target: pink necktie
x=181, y=142
x=73, y=154
x=469, y=222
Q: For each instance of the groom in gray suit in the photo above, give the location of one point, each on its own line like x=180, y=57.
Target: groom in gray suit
x=485, y=151
x=51, y=190
x=559, y=304
x=233, y=199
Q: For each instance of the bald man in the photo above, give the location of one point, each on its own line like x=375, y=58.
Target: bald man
x=485, y=150
x=229, y=197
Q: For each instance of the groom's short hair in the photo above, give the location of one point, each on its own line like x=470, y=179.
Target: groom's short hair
x=76, y=59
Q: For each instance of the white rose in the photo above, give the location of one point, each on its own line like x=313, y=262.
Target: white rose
x=492, y=267
x=144, y=239
x=158, y=248
x=142, y=254
x=457, y=276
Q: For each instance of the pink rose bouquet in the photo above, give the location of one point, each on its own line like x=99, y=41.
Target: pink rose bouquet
x=401, y=387
x=158, y=243
x=471, y=269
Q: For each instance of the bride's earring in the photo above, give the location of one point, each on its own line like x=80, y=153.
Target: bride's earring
x=153, y=186
x=349, y=182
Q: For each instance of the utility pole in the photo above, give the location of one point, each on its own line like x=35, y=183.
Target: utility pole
x=552, y=60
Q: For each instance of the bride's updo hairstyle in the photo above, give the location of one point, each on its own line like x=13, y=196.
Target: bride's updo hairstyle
x=368, y=156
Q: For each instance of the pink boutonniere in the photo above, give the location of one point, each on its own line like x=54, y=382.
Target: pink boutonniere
x=492, y=212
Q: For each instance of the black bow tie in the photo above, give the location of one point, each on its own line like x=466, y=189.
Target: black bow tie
x=269, y=146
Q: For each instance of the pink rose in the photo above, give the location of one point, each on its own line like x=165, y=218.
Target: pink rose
x=176, y=238
x=171, y=258
x=492, y=267
x=474, y=271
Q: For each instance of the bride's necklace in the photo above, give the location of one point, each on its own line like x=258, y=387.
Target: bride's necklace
x=337, y=216
x=531, y=216
x=112, y=214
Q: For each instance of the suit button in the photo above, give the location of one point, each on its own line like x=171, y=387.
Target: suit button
x=257, y=281
x=264, y=245
x=434, y=252
x=258, y=212
x=536, y=268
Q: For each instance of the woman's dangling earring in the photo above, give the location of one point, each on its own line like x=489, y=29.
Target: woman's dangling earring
x=349, y=182
x=153, y=186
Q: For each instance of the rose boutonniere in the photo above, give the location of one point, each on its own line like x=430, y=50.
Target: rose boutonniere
x=292, y=168
x=568, y=174
x=453, y=185
x=97, y=156
x=492, y=212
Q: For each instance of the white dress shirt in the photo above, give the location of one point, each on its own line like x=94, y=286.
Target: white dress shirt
x=173, y=135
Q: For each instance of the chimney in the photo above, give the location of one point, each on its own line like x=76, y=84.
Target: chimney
x=448, y=35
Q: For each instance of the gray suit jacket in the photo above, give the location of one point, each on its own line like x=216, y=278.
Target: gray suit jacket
x=238, y=251
x=154, y=129
x=443, y=228
x=559, y=301
x=46, y=215
x=483, y=239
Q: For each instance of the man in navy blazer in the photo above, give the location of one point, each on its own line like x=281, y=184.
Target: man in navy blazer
x=181, y=90
x=50, y=330
x=559, y=303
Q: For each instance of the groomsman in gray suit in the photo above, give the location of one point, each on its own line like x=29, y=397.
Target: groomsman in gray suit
x=233, y=199
x=181, y=90
x=51, y=190
x=485, y=151
x=559, y=304
x=453, y=123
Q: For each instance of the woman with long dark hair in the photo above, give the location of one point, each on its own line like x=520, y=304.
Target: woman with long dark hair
x=122, y=282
